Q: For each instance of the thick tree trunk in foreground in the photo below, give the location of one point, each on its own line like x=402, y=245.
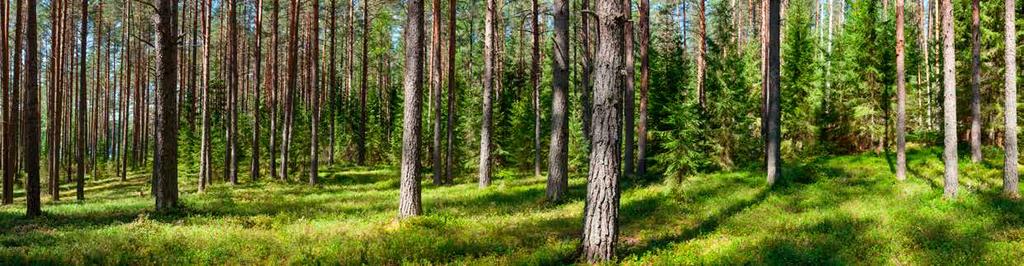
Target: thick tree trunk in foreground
x=409, y=191
x=949, y=100
x=901, y=97
x=80, y=158
x=31, y=110
x=600, y=216
x=771, y=92
x=165, y=164
x=1010, y=142
x=558, y=154
x=645, y=75
x=489, y=75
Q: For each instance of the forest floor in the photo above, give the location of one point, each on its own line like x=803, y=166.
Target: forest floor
x=830, y=210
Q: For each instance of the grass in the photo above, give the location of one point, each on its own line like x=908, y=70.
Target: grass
x=834, y=210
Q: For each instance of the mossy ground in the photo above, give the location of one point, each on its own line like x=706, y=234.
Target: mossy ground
x=830, y=210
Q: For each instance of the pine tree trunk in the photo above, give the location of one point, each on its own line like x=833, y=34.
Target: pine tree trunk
x=558, y=154
x=333, y=81
x=409, y=191
x=314, y=146
x=975, y=82
x=31, y=110
x=535, y=82
x=949, y=100
x=80, y=162
x=205, y=171
x=701, y=54
x=13, y=121
x=452, y=94
x=600, y=216
x=254, y=168
x=586, y=80
x=1010, y=162
x=489, y=82
x=771, y=90
x=435, y=89
x=7, y=108
x=293, y=76
x=901, y=97
x=629, y=92
x=274, y=90
x=165, y=163
x=231, y=66
x=645, y=73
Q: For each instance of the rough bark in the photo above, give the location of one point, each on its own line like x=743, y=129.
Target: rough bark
x=600, y=216
x=558, y=153
x=949, y=101
x=975, y=134
x=409, y=192
x=31, y=110
x=771, y=91
x=488, y=101
x=1010, y=141
x=165, y=165
x=901, y=97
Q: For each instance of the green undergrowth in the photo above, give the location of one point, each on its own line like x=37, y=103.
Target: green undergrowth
x=830, y=210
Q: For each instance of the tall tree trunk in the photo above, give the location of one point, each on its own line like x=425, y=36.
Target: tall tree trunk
x=975, y=82
x=435, y=88
x=489, y=75
x=314, y=146
x=535, y=82
x=204, y=166
x=645, y=74
x=80, y=162
x=232, y=86
x=949, y=100
x=13, y=121
x=54, y=98
x=31, y=110
x=558, y=153
x=409, y=191
x=361, y=158
x=165, y=157
x=127, y=80
x=293, y=76
x=701, y=57
x=1010, y=140
x=274, y=90
x=254, y=168
x=7, y=107
x=629, y=91
x=771, y=91
x=452, y=94
x=600, y=215
x=332, y=81
x=901, y=97
x=586, y=80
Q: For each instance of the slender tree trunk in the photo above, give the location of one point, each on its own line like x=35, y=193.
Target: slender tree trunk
x=600, y=216
x=80, y=162
x=645, y=73
x=254, y=168
x=771, y=90
x=127, y=80
x=535, y=82
x=901, y=97
x=231, y=66
x=558, y=154
x=409, y=191
x=435, y=88
x=629, y=92
x=31, y=110
x=333, y=81
x=701, y=54
x=489, y=75
x=7, y=107
x=274, y=90
x=975, y=82
x=14, y=121
x=205, y=172
x=314, y=146
x=361, y=159
x=949, y=100
x=586, y=80
x=1010, y=140
x=452, y=94
x=293, y=76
